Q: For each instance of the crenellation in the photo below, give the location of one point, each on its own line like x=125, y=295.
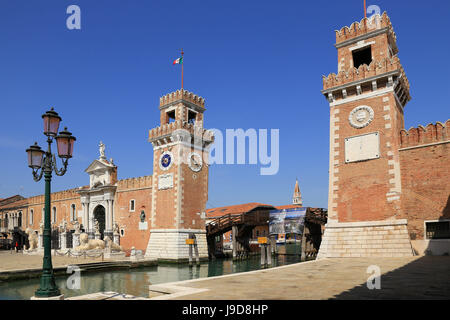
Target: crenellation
x=424, y=135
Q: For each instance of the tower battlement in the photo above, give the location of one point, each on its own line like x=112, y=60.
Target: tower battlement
x=365, y=26
x=181, y=94
x=432, y=133
x=375, y=68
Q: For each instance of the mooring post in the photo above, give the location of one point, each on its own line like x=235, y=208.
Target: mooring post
x=263, y=254
x=190, y=255
x=269, y=255
x=303, y=245
x=234, y=231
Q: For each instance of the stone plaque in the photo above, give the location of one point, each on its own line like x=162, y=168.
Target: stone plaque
x=143, y=225
x=165, y=181
x=363, y=147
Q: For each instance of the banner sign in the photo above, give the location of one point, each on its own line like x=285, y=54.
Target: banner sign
x=287, y=221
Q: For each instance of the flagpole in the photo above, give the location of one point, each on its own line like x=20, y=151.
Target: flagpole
x=365, y=10
x=182, y=64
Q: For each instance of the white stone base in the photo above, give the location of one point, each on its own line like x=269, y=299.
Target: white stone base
x=170, y=244
x=60, y=297
x=366, y=239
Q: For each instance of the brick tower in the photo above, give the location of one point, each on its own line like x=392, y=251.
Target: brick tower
x=180, y=177
x=366, y=99
x=297, y=197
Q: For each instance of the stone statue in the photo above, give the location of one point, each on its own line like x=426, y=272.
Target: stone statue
x=102, y=150
x=111, y=246
x=96, y=226
x=32, y=239
x=77, y=227
x=116, y=228
x=86, y=244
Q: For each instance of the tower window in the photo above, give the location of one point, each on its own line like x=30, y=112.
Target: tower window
x=132, y=203
x=191, y=116
x=362, y=56
x=171, y=116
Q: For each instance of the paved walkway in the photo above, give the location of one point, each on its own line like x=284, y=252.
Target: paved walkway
x=401, y=278
x=19, y=261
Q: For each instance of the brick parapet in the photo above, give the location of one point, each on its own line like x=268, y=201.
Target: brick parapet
x=376, y=67
x=181, y=95
x=134, y=183
x=432, y=133
x=365, y=26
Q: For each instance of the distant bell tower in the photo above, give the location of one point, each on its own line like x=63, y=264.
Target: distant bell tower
x=180, y=177
x=297, y=198
x=366, y=98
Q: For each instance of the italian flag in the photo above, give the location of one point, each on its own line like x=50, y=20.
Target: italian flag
x=178, y=61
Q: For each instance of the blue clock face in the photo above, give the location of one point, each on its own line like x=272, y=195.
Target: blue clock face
x=166, y=160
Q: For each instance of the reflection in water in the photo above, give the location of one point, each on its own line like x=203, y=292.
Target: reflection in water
x=136, y=281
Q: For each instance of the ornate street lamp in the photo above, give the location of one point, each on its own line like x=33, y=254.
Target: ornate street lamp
x=46, y=163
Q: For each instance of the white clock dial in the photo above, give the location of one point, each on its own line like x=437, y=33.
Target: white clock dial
x=195, y=161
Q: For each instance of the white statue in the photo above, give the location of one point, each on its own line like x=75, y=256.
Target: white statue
x=32, y=239
x=96, y=226
x=76, y=225
x=116, y=228
x=102, y=150
x=86, y=244
x=111, y=246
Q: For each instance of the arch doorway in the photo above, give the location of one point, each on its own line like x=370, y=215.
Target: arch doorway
x=99, y=216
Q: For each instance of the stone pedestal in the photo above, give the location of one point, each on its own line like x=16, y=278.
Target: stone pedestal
x=116, y=239
x=63, y=240
x=41, y=242
x=98, y=236
x=75, y=240
x=170, y=244
x=366, y=239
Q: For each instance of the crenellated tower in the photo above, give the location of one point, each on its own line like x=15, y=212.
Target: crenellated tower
x=366, y=97
x=180, y=176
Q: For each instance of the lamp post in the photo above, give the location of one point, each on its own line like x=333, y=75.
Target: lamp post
x=45, y=161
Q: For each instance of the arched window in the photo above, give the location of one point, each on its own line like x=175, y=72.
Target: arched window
x=31, y=217
x=132, y=205
x=54, y=215
x=19, y=219
x=73, y=212
x=6, y=221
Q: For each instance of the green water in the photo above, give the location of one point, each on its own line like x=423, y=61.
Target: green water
x=136, y=281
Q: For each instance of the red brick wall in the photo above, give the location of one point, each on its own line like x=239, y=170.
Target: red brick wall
x=129, y=220
x=425, y=179
x=360, y=181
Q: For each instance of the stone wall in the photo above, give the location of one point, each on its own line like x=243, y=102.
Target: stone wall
x=366, y=239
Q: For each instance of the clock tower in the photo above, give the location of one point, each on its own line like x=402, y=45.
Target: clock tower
x=180, y=177
x=366, y=98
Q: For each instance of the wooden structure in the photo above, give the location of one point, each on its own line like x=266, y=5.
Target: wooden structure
x=242, y=225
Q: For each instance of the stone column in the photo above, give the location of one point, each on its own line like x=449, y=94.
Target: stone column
x=116, y=237
x=111, y=218
x=63, y=240
x=75, y=240
x=41, y=241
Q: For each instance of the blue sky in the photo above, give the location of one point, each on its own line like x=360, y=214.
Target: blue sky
x=258, y=64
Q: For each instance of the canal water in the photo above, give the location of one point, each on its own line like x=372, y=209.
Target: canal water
x=136, y=281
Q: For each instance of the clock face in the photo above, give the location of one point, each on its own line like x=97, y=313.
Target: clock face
x=195, y=161
x=165, y=161
x=361, y=117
